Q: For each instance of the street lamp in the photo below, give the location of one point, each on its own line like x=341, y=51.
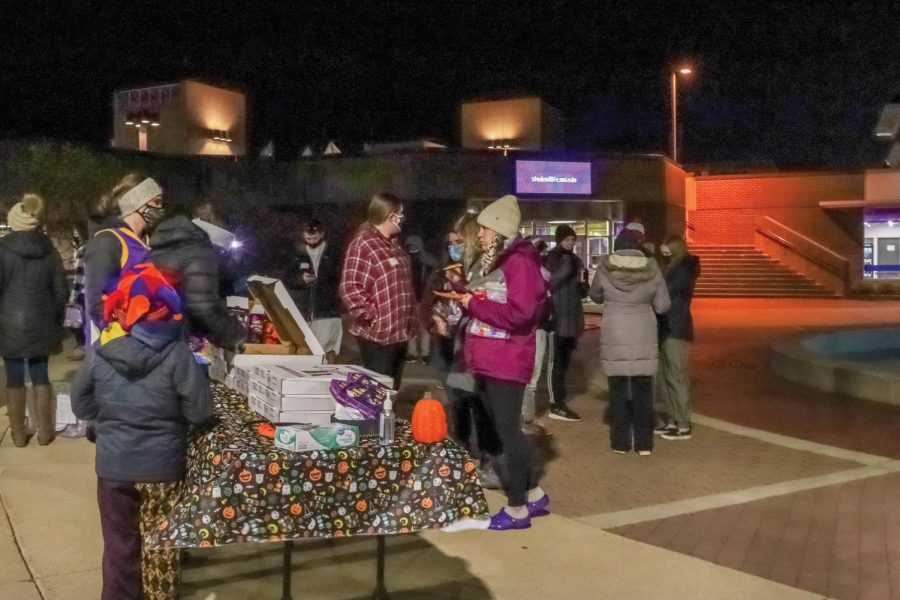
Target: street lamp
x=675, y=73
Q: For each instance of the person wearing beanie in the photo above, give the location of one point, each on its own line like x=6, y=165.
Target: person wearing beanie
x=377, y=289
x=504, y=309
x=142, y=389
x=632, y=291
x=121, y=242
x=568, y=286
x=33, y=293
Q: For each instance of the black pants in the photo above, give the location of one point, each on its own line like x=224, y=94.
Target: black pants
x=503, y=401
x=561, y=349
x=386, y=359
x=120, y=505
x=631, y=412
x=469, y=410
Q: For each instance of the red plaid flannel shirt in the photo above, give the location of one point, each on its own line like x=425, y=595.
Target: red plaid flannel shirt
x=377, y=289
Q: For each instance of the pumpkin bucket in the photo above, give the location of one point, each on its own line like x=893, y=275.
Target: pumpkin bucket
x=429, y=421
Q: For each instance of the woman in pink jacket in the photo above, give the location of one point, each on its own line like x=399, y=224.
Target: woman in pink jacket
x=505, y=307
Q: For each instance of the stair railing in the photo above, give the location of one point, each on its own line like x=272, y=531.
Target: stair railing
x=802, y=254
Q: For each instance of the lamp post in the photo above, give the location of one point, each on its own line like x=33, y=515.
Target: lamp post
x=674, y=77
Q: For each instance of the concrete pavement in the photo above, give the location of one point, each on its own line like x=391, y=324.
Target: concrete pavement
x=623, y=526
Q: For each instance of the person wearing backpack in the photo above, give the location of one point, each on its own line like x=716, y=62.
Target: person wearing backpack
x=120, y=244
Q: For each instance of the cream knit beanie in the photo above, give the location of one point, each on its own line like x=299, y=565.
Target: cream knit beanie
x=26, y=215
x=503, y=216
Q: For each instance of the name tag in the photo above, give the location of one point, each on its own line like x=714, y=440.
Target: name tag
x=393, y=262
x=304, y=266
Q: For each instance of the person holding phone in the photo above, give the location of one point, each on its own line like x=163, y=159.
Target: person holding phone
x=312, y=281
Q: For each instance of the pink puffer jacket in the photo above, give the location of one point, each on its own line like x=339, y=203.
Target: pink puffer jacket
x=511, y=357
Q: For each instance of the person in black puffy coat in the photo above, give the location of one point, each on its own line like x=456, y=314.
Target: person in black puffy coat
x=184, y=253
x=33, y=293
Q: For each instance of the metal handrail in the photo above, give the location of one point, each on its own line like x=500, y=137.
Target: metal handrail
x=839, y=265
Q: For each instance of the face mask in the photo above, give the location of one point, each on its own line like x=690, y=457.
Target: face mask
x=152, y=216
x=455, y=252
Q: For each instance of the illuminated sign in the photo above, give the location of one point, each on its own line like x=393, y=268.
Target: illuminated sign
x=557, y=178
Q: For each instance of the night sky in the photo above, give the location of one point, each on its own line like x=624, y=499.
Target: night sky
x=783, y=83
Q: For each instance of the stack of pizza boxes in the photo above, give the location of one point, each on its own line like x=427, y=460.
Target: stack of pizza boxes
x=284, y=394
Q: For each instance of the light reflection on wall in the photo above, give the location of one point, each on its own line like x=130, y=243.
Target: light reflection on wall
x=515, y=122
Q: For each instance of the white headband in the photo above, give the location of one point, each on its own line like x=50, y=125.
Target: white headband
x=135, y=198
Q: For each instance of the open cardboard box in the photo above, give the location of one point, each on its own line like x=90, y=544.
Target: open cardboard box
x=299, y=347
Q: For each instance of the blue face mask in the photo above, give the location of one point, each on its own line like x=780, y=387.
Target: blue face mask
x=456, y=252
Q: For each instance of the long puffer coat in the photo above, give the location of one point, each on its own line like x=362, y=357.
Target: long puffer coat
x=33, y=293
x=183, y=252
x=632, y=291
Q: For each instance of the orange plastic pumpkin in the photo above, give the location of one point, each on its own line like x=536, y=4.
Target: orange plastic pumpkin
x=429, y=421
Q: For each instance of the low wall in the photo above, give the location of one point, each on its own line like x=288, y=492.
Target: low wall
x=819, y=362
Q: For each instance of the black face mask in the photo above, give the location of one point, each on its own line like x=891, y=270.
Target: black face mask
x=152, y=216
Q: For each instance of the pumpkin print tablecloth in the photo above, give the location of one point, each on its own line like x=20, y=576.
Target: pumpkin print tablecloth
x=241, y=488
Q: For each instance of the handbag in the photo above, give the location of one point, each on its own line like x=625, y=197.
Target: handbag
x=73, y=317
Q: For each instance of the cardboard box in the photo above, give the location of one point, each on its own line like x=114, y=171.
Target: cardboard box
x=308, y=438
x=289, y=381
x=294, y=331
x=261, y=407
x=242, y=386
x=291, y=403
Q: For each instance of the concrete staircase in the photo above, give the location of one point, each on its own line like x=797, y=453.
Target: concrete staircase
x=745, y=272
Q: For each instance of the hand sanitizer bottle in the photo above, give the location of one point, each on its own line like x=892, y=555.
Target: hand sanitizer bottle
x=386, y=421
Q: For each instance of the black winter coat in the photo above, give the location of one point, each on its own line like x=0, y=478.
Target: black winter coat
x=319, y=299
x=567, y=288
x=681, y=278
x=142, y=391
x=183, y=252
x=33, y=294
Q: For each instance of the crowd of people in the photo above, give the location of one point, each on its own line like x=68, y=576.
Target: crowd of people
x=487, y=315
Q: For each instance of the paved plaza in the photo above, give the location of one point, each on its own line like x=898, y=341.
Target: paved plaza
x=783, y=492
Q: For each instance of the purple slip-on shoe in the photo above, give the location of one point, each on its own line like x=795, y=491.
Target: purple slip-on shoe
x=538, y=508
x=503, y=522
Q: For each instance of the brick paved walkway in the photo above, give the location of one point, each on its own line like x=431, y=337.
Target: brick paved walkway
x=842, y=541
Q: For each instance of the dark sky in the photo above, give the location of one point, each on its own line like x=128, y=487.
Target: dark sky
x=797, y=83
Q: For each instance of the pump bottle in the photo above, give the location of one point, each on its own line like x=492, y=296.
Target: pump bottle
x=386, y=421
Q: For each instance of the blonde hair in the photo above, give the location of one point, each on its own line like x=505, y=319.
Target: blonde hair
x=381, y=206
x=108, y=205
x=466, y=227
x=677, y=247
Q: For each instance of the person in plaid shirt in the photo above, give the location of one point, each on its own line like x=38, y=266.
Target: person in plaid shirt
x=377, y=289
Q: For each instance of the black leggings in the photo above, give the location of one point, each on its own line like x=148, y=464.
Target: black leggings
x=386, y=359
x=15, y=371
x=503, y=401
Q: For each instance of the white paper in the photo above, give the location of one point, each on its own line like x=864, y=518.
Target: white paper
x=64, y=414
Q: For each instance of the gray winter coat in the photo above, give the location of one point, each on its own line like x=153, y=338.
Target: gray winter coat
x=631, y=289
x=33, y=293
x=142, y=390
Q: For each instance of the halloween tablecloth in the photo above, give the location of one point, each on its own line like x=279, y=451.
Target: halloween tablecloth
x=241, y=488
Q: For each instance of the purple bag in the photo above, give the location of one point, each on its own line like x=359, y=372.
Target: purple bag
x=357, y=396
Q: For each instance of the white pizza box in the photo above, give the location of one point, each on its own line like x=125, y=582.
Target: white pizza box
x=290, y=381
x=241, y=386
x=314, y=417
x=292, y=328
x=291, y=403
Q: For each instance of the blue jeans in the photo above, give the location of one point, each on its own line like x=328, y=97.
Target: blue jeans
x=15, y=371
